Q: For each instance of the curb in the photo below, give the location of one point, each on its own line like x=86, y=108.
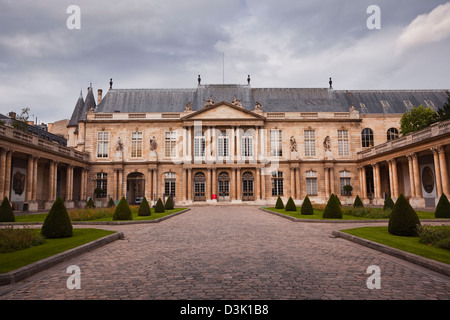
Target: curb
x=38, y=266
x=437, y=266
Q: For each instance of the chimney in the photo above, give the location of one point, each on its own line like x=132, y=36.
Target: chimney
x=99, y=96
x=12, y=115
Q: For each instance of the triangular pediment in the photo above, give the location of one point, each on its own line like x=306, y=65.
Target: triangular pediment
x=223, y=110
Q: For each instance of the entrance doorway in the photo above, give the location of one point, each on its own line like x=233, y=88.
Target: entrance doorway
x=199, y=187
x=248, y=186
x=224, y=187
x=135, y=187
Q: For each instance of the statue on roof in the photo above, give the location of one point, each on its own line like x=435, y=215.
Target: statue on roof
x=258, y=106
x=188, y=107
x=236, y=102
x=208, y=102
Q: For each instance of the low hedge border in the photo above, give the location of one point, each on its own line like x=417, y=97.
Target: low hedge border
x=41, y=265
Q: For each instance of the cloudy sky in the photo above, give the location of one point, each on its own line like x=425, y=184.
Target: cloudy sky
x=167, y=43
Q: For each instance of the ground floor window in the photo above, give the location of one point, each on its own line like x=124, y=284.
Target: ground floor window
x=311, y=183
x=345, y=181
x=169, y=184
x=277, y=183
x=101, y=187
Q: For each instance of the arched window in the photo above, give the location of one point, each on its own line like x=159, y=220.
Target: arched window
x=367, y=138
x=199, y=144
x=277, y=183
x=392, y=134
x=311, y=183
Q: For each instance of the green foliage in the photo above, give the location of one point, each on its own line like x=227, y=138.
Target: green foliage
x=123, y=211
x=442, y=208
x=358, y=202
x=90, y=203
x=388, y=204
x=144, y=208
x=332, y=209
x=14, y=239
x=57, y=224
x=417, y=119
x=159, y=208
x=111, y=203
x=279, y=204
x=444, y=112
x=307, y=208
x=290, y=205
x=169, y=204
x=403, y=220
x=20, y=121
x=6, y=212
x=438, y=236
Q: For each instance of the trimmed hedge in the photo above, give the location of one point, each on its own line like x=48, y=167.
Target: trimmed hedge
x=144, y=208
x=169, y=204
x=442, y=208
x=6, y=212
x=159, y=208
x=279, y=204
x=358, y=203
x=57, y=224
x=123, y=211
x=333, y=208
x=307, y=208
x=388, y=204
x=403, y=220
x=90, y=203
x=111, y=203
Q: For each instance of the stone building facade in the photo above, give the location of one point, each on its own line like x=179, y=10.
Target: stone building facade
x=237, y=144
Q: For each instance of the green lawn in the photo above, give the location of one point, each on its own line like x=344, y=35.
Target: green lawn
x=108, y=217
x=408, y=244
x=14, y=260
x=318, y=214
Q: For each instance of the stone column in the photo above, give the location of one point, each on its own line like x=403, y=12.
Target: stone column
x=68, y=174
x=256, y=150
x=2, y=173
x=184, y=143
x=156, y=193
x=437, y=169
x=260, y=172
x=119, y=184
x=391, y=182
x=148, y=184
x=292, y=187
x=233, y=185
x=189, y=144
x=208, y=185
x=34, y=183
x=232, y=144
x=377, y=183
x=29, y=183
x=395, y=177
x=8, y=168
x=184, y=176
x=83, y=187
x=257, y=184
x=189, y=185
x=411, y=176
x=297, y=183
x=418, y=186
x=238, y=184
x=332, y=181
x=214, y=181
x=444, y=172
x=326, y=173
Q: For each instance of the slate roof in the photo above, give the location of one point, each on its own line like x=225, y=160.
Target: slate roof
x=271, y=99
x=82, y=106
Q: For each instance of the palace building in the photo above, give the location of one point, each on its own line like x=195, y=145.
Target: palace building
x=232, y=143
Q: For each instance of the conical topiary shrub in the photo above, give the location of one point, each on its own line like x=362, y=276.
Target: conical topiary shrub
x=403, y=220
x=111, y=203
x=388, y=204
x=332, y=209
x=123, y=211
x=144, y=208
x=358, y=203
x=90, y=203
x=307, y=208
x=159, y=208
x=169, y=204
x=442, y=208
x=6, y=212
x=279, y=204
x=57, y=224
x=290, y=205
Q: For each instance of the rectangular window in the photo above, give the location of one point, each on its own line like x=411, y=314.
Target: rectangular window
x=276, y=149
x=311, y=183
x=170, y=144
x=199, y=145
x=223, y=145
x=102, y=144
x=169, y=184
x=101, y=187
x=310, y=143
x=136, y=144
x=343, y=143
x=429, y=103
x=247, y=146
x=277, y=183
x=345, y=177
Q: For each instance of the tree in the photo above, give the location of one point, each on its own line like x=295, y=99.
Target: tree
x=20, y=121
x=417, y=119
x=144, y=208
x=307, y=208
x=358, y=203
x=6, y=212
x=57, y=224
x=444, y=112
x=159, y=207
x=332, y=209
x=279, y=204
x=123, y=211
x=169, y=204
x=442, y=208
x=403, y=220
x=290, y=205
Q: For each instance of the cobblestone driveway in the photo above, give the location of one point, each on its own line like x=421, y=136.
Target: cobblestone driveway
x=236, y=252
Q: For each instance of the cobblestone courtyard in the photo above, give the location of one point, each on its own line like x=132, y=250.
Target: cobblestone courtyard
x=235, y=252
